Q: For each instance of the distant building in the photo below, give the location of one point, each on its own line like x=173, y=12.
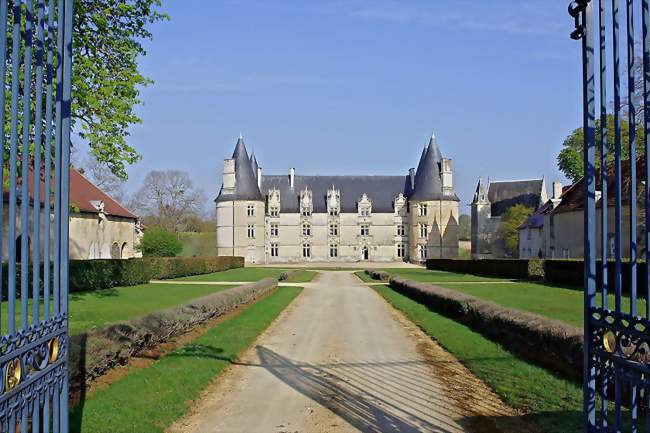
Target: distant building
x=490, y=202
x=296, y=218
x=100, y=227
x=533, y=238
x=563, y=225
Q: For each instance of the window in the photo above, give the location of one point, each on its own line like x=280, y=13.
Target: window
x=422, y=209
x=401, y=251
x=274, y=250
x=306, y=229
x=566, y=254
x=306, y=212
x=334, y=230
x=364, y=211
x=334, y=250
x=275, y=229
x=422, y=249
x=250, y=210
x=401, y=230
x=306, y=250
x=334, y=212
x=424, y=231
x=365, y=230
x=251, y=231
x=274, y=212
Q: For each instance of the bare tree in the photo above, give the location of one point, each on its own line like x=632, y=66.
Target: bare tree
x=168, y=199
x=102, y=176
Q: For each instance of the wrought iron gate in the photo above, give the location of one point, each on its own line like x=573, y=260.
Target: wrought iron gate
x=617, y=337
x=36, y=50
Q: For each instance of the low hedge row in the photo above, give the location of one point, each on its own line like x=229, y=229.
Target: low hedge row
x=508, y=268
x=542, y=341
x=93, y=353
x=90, y=275
x=377, y=275
x=568, y=272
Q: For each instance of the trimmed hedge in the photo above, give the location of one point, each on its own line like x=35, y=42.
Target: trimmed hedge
x=88, y=275
x=377, y=275
x=91, y=275
x=567, y=271
x=542, y=341
x=509, y=268
x=93, y=353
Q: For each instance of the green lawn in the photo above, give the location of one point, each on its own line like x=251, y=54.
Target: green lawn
x=421, y=274
x=150, y=399
x=553, y=403
x=550, y=300
x=92, y=310
x=250, y=274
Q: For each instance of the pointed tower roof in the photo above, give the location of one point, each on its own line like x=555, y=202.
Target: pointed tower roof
x=428, y=183
x=245, y=183
x=480, y=195
x=254, y=165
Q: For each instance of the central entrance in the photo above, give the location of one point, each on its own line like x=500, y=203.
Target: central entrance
x=365, y=254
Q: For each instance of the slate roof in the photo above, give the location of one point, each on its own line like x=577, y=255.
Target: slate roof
x=245, y=183
x=505, y=194
x=428, y=182
x=381, y=190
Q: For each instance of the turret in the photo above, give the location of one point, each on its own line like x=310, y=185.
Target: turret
x=433, y=207
x=240, y=208
x=481, y=214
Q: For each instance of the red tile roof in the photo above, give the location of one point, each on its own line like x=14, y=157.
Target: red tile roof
x=82, y=193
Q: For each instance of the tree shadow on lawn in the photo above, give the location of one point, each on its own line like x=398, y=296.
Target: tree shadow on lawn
x=104, y=293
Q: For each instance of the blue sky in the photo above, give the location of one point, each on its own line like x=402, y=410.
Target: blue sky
x=357, y=86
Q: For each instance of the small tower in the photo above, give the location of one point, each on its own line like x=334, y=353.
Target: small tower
x=481, y=214
x=240, y=208
x=434, y=208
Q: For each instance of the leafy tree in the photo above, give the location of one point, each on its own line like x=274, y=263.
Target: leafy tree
x=159, y=242
x=465, y=228
x=106, y=82
x=511, y=219
x=570, y=161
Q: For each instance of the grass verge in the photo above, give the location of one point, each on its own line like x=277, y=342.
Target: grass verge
x=553, y=403
x=554, y=301
x=250, y=274
x=149, y=400
x=92, y=310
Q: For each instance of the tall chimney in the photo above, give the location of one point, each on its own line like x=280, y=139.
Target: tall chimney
x=292, y=176
x=259, y=177
x=412, y=176
x=557, y=190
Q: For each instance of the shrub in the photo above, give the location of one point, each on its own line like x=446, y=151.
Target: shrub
x=159, y=242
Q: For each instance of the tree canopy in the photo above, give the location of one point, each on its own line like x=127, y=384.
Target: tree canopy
x=106, y=81
x=510, y=221
x=570, y=161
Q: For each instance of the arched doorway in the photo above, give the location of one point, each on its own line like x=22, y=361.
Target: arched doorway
x=123, y=252
x=365, y=253
x=116, y=252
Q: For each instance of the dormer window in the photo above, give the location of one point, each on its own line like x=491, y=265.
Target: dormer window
x=306, y=212
x=306, y=203
x=364, y=206
x=333, y=201
x=274, y=212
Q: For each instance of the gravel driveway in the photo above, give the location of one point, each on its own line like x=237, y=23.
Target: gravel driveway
x=340, y=359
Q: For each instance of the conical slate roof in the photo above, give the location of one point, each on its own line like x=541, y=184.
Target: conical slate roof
x=428, y=183
x=254, y=165
x=245, y=183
